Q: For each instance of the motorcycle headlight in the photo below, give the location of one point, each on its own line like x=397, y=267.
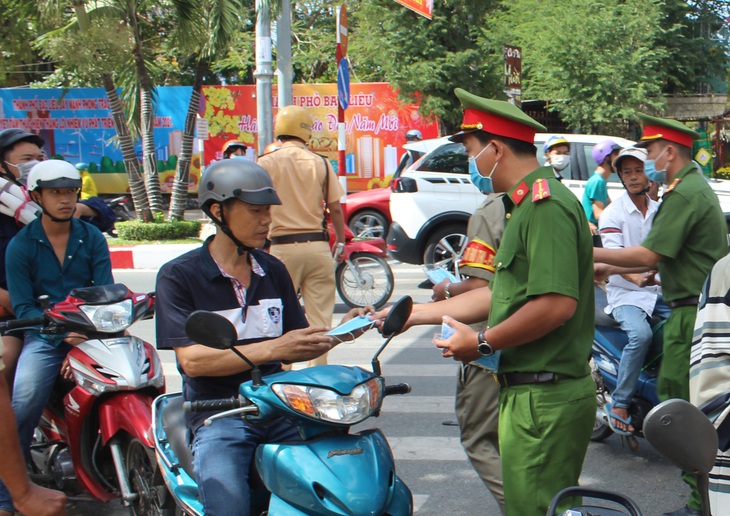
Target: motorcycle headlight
x=110, y=318
x=328, y=405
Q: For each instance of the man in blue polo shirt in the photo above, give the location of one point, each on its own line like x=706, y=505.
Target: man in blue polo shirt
x=229, y=275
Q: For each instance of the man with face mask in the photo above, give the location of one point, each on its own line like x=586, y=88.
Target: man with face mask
x=688, y=236
x=595, y=195
x=632, y=298
x=19, y=151
x=557, y=153
x=540, y=309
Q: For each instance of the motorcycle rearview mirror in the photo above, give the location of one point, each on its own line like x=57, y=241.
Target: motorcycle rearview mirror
x=211, y=330
x=215, y=331
x=392, y=326
x=397, y=317
x=683, y=434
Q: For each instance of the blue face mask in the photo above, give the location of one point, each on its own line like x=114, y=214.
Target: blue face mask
x=657, y=176
x=484, y=184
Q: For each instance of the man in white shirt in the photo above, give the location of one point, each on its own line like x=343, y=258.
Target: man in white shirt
x=632, y=298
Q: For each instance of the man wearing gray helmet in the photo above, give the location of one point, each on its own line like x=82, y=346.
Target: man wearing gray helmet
x=231, y=276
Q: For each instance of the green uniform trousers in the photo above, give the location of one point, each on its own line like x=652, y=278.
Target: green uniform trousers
x=544, y=430
x=477, y=410
x=673, y=380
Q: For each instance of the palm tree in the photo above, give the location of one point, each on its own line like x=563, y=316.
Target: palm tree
x=216, y=23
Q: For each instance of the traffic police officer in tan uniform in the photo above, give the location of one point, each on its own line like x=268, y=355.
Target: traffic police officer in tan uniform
x=688, y=236
x=305, y=182
x=540, y=307
x=477, y=394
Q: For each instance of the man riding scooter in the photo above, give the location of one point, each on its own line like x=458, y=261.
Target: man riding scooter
x=632, y=298
x=231, y=276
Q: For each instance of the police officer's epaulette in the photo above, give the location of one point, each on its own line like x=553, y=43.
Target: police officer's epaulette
x=672, y=186
x=540, y=190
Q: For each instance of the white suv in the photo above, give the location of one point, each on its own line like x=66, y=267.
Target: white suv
x=431, y=201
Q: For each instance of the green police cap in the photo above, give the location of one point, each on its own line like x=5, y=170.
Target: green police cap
x=664, y=129
x=495, y=117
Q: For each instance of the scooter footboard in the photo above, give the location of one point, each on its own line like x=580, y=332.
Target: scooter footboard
x=347, y=474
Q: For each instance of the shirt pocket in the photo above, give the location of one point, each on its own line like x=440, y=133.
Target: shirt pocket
x=504, y=284
x=264, y=319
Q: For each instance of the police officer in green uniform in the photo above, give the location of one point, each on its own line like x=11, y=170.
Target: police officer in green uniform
x=541, y=316
x=688, y=236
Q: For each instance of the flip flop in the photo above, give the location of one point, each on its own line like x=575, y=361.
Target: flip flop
x=612, y=416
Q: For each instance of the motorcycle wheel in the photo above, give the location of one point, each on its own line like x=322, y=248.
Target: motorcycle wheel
x=146, y=481
x=601, y=430
x=373, y=286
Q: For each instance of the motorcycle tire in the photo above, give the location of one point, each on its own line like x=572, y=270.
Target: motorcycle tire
x=145, y=479
x=376, y=283
x=601, y=430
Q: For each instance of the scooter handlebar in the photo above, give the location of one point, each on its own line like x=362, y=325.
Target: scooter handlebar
x=398, y=388
x=211, y=405
x=14, y=324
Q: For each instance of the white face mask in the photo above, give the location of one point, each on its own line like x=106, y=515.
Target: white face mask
x=24, y=169
x=560, y=161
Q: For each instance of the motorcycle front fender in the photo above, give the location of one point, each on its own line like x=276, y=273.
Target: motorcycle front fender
x=131, y=412
x=336, y=475
x=355, y=247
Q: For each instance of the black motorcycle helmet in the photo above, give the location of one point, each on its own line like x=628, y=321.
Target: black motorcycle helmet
x=8, y=138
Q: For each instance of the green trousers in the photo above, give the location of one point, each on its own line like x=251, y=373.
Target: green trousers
x=673, y=380
x=544, y=430
x=477, y=410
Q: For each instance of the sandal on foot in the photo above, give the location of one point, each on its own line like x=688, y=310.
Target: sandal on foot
x=612, y=416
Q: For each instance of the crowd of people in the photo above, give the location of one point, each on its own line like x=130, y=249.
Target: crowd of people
x=525, y=399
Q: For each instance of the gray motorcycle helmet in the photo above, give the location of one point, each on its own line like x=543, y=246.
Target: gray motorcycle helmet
x=236, y=179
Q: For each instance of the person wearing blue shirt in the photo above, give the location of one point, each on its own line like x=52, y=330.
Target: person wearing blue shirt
x=595, y=195
x=50, y=256
x=231, y=276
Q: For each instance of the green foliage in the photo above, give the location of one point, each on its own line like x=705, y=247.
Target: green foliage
x=159, y=229
x=595, y=61
x=425, y=59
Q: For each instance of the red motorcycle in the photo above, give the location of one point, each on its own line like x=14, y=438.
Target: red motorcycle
x=94, y=435
x=364, y=277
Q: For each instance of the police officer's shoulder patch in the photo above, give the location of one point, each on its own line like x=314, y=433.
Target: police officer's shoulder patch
x=672, y=186
x=540, y=190
x=519, y=193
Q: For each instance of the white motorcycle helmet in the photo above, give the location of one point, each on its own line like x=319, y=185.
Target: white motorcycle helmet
x=53, y=173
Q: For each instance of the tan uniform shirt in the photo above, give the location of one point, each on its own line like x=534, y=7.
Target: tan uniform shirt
x=299, y=178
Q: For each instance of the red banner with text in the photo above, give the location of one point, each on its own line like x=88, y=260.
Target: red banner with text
x=422, y=7
x=376, y=124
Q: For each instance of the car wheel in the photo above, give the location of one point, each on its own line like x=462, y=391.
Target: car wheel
x=445, y=245
x=369, y=224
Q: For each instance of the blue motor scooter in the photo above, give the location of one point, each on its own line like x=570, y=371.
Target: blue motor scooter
x=331, y=471
x=608, y=341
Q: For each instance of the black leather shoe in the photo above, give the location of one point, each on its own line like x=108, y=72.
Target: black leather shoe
x=684, y=511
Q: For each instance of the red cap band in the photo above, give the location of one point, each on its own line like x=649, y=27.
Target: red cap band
x=656, y=132
x=475, y=119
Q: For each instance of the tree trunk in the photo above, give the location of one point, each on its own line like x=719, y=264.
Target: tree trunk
x=147, y=115
x=131, y=163
x=182, y=174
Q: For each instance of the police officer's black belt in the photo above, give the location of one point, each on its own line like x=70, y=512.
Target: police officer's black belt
x=685, y=301
x=298, y=238
x=512, y=379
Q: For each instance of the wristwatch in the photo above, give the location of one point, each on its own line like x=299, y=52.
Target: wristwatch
x=447, y=294
x=483, y=346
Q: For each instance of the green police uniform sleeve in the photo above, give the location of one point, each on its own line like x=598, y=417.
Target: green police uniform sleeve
x=672, y=224
x=551, y=246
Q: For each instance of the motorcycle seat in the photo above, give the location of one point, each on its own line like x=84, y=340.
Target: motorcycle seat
x=176, y=429
x=602, y=318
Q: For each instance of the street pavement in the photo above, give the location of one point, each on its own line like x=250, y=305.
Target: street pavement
x=420, y=428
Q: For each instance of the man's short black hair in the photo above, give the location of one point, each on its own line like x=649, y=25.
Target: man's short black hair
x=520, y=148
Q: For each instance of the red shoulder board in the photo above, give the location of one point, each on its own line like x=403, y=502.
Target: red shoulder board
x=540, y=190
x=519, y=193
x=671, y=187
